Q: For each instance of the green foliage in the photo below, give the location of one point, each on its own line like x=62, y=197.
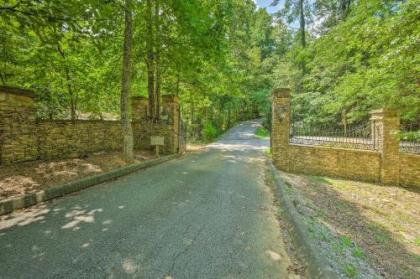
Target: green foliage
x=350, y=270
x=209, y=132
x=358, y=253
x=221, y=57
x=410, y=136
x=218, y=56
x=346, y=241
x=262, y=133
x=65, y=51
x=343, y=244
x=364, y=59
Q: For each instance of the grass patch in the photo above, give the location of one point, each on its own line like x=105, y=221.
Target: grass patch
x=350, y=271
x=358, y=253
x=319, y=179
x=262, y=133
x=343, y=244
x=346, y=242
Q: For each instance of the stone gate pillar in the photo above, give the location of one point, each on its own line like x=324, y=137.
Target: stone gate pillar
x=18, y=141
x=171, y=115
x=280, y=127
x=168, y=126
x=139, y=108
x=385, y=129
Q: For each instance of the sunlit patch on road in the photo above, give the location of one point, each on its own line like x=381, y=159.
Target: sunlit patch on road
x=80, y=216
x=273, y=255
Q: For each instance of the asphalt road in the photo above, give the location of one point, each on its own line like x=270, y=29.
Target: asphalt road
x=207, y=215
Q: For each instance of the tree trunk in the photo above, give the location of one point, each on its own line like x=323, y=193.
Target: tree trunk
x=344, y=120
x=73, y=107
x=302, y=22
x=3, y=78
x=177, y=84
x=157, y=62
x=125, y=85
x=73, y=98
x=229, y=123
x=150, y=60
x=344, y=8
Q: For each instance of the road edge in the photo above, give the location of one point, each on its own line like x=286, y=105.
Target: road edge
x=299, y=234
x=9, y=205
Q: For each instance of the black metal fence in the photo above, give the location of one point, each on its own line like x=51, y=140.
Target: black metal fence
x=410, y=140
x=410, y=147
x=358, y=137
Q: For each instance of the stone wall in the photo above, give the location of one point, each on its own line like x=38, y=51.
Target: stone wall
x=385, y=165
x=25, y=138
x=17, y=125
x=337, y=162
x=66, y=139
x=409, y=169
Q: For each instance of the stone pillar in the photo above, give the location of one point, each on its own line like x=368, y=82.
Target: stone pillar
x=168, y=127
x=385, y=129
x=139, y=107
x=280, y=127
x=18, y=141
x=140, y=122
x=171, y=115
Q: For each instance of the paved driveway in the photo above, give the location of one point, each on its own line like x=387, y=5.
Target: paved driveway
x=207, y=215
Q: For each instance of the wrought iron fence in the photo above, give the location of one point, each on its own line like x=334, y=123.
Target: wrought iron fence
x=358, y=137
x=410, y=140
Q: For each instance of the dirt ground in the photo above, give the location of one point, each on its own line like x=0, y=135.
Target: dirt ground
x=30, y=177
x=384, y=221
x=19, y=179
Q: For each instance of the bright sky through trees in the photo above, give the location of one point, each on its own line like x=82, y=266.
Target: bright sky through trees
x=267, y=5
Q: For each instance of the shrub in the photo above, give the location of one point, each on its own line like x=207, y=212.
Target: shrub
x=209, y=132
x=262, y=133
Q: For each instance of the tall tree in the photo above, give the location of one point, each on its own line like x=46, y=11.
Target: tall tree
x=217, y=55
x=296, y=10
x=126, y=83
x=158, y=77
x=330, y=12
x=150, y=59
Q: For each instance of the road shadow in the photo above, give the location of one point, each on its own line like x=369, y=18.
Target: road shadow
x=80, y=235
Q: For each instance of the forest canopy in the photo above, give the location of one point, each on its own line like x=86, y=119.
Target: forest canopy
x=358, y=59
x=342, y=58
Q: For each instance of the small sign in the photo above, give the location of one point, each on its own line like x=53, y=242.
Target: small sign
x=157, y=140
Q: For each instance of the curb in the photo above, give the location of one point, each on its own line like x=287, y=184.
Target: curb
x=9, y=205
x=306, y=249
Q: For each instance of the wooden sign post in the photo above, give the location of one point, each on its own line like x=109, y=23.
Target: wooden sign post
x=157, y=141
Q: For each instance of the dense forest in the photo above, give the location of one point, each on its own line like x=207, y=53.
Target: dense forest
x=342, y=58
x=352, y=57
